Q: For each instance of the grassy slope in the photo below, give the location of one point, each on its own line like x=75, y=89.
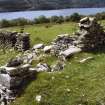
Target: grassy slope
x=39, y=33
x=78, y=84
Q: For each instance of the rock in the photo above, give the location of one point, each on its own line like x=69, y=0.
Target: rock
x=13, y=76
x=58, y=66
x=47, y=49
x=8, y=70
x=38, y=46
x=9, y=82
x=14, y=62
x=32, y=71
x=72, y=50
x=38, y=98
x=85, y=19
x=42, y=67
x=61, y=43
x=85, y=59
x=28, y=57
x=5, y=96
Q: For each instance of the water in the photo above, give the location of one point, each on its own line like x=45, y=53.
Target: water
x=48, y=13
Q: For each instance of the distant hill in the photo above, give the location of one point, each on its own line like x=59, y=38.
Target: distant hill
x=20, y=5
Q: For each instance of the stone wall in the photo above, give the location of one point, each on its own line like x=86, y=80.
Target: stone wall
x=19, y=41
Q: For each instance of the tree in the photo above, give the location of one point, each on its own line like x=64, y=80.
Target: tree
x=60, y=19
x=4, y=23
x=54, y=19
x=75, y=17
x=41, y=19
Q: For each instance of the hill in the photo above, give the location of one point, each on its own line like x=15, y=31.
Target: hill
x=17, y=5
x=78, y=84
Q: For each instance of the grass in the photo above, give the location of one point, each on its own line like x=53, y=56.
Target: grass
x=5, y=57
x=40, y=33
x=77, y=84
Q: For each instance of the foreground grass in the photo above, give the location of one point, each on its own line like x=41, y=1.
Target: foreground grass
x=5, y=57
x=78, y=84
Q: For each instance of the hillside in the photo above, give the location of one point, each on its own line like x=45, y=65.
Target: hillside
x=78, y=84
x=17, y=5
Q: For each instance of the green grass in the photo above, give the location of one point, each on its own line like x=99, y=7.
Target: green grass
x=39, y=33
x=77, y=84
x=5, y=57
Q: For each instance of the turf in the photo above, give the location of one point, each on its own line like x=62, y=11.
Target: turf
x=47, y=32
x=77, y=84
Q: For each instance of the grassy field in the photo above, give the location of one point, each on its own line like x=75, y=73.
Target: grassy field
x=46, y=32
x=77, y=84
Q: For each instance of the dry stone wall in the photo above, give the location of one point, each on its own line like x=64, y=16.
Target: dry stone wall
x=19, y=41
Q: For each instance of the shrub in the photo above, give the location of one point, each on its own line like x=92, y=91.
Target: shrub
x=67, y=18
x=54, y=19
x=100, y=16
x=60, y=20
x=4, y=23
x=75, y=17
x=21, y=21
x=41, y=19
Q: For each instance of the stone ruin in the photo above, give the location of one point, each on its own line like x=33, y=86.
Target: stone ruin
x=90, y=36
x=18, y=41
x=11, y=79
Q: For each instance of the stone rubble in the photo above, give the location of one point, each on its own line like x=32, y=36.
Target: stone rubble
x=11, y=78
x=61, y=43
x=91, y=34
x=14, y=62
x=42, y=67
x=58, y=66
x=6, y=95
x=70, y=51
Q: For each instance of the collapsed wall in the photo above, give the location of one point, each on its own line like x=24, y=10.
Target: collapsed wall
x=91, y=34
x=19, y=41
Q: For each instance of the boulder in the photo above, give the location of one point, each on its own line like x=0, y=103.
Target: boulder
x=13, y=76
x=14, y=62
x=42, y=67
x=86, y=59
x=47, y=49
x=38, y=46
x=10, y=82
x=58, y=66
x=9, y=70
x=70, y=51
